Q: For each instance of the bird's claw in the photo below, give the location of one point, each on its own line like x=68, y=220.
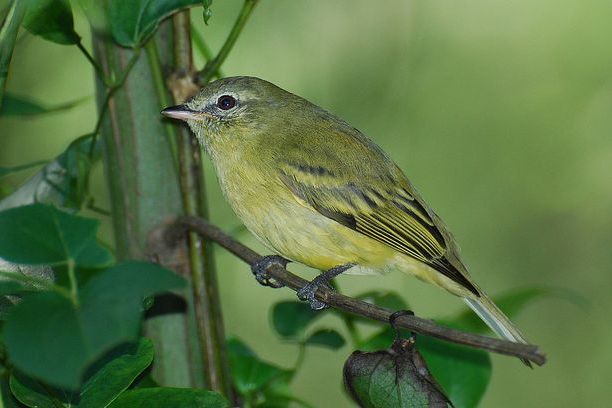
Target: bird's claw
x=260, y=270
x=307, y=293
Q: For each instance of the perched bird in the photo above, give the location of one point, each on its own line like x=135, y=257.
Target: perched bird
x=315, y=190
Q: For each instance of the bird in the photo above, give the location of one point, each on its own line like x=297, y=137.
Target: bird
x=316, y=191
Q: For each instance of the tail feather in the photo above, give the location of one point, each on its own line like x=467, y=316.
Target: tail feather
x=497, y=321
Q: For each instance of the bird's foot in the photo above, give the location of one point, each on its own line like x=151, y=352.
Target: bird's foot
x=260, y=270
x=309, y=291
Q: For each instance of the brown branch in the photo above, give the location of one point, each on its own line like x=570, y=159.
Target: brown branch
x=351, y=305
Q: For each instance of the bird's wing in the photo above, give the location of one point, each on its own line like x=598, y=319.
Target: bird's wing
x=378, y=202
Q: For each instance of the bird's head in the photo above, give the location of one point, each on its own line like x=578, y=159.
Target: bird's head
x=233, y=110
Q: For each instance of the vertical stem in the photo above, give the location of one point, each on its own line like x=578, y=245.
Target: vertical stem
x=142, y=179
x=207, y=309
x=8, y=35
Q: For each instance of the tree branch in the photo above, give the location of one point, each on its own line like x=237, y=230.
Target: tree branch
x=351, y=305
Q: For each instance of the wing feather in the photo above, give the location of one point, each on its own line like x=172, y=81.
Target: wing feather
x=393, y=214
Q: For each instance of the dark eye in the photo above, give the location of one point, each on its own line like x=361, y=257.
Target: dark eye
x=226, y=102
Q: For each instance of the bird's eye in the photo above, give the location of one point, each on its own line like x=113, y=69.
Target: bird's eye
x=226, y=102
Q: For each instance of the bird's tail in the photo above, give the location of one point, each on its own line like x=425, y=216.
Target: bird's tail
x=484, y=307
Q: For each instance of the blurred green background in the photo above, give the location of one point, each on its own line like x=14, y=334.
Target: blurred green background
x=500, y=113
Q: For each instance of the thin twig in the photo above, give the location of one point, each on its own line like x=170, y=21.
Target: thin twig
x=212, y=66
x=358, y=307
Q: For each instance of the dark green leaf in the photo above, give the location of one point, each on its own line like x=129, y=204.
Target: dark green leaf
x=327, y=338
x=388, y=300
x=42, y=234
x=248, y=371
x=131, y=22
x=464, y=373
x=8, y=287
x=115, y=376
x=49, y=337
x=52, y=20
x=8, y=398
x=63, y=182
x=33, y=394
x=395, y=378
x=4, y=171
x=290, y=319
x=14, y=105
x=163, y=397
x=207, y=12
x=511, y=304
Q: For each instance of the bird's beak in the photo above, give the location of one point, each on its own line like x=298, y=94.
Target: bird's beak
x=181, y=112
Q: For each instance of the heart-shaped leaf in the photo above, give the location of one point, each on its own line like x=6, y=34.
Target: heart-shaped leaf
x=52, y=20
x=42, y=234
x=69, y=337
x=328, y=338
x=131, y=22
x=395, y=378
x=250, y=374
x=290, y=319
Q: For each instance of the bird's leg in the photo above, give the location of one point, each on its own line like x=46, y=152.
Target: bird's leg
x=392, y=320
x=308, y=291
x=260, y=269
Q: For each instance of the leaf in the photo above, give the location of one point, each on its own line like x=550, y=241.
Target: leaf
x=463, y=372
x=167, y=397
x=49, y=337
x=33, y=394
x=117, y=375
x=52, y=20
x=14, y=105
x=396, y=378
x=328, y=338
x=8, y=399
x=290, y=319
x=41, y=234
x=63, y=182
x=248, y=371
x=511, y=303
x=207, y=12
x=4, y=171
x=8, y=287
x=386, y=299
x=131, y=22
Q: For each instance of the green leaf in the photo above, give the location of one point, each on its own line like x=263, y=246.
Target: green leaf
x=14, y=105
x=4, y=171
x=386, y=299
x=52, y=20
x=290, y=319
x=392, y=378
x=207, y=12
x=167, y=397
x=131, y=22
x=326, y=338
x=117, y=375
x=42, y=234
x=32, y=393
x=250, y=374
x=8, y=399
x=49, y=337
x=463, y=372
x=511, y=303
x=64, y=182
x=8, y=287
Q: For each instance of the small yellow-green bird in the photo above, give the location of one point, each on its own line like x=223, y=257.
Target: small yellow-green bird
x=315, y=190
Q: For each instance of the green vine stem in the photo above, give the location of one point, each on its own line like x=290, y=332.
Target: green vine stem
x=212, y=66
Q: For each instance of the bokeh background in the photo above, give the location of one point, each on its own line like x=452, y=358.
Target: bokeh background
x=500, y=113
